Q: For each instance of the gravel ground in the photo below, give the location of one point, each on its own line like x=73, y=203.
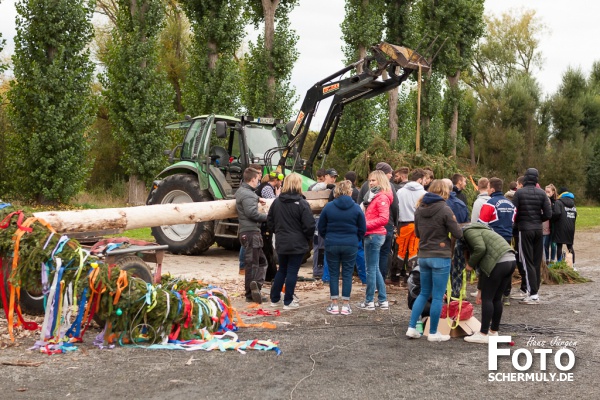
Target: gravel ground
x=365, y=355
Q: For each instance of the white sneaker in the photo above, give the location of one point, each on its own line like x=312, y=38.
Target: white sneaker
x=530, y=300
x=477, y=337
x=384, y=305
x=520, y=295
x=438, y=337
x=370, y=306
x=333, y=309
x=413, y=333
x=474, y=294
x=490, y=333
x=292, y=306
x=346, y=310
x=277, y=305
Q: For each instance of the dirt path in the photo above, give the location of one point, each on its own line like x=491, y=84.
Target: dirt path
x=364, y=355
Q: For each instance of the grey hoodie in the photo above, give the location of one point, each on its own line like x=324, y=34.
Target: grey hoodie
x=407, y=200
x=246, y=204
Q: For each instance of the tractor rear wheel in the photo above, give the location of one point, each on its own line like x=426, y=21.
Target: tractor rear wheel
x=187, y=239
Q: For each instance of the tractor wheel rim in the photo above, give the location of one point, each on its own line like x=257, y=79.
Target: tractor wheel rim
x=178, y=232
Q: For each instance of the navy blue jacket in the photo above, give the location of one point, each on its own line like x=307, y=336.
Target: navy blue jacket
x=342, y=222
x=459, y=208
x=499, y=214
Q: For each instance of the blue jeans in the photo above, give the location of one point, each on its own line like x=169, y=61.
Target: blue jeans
x=344, y=256
x=434, y=279
x=319, y=271
x=384, y=254
x=549, y=248
x=373, y=245
x=325, y=278
x=242, y=255
x=289, y=264
x=360, y=262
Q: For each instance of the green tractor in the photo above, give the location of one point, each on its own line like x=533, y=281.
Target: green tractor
x=209, y=166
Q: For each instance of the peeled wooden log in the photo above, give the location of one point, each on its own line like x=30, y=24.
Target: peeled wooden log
x=154, y=215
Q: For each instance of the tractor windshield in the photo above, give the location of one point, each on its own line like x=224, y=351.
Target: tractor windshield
x=260, y=140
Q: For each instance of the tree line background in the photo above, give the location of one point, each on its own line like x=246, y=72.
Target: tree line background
x=83, y=106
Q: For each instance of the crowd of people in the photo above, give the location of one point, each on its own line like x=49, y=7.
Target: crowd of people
x=405, y=226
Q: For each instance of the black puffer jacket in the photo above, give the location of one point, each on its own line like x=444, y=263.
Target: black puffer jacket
x=533, y=205
x=564, y=215
x=292, y=221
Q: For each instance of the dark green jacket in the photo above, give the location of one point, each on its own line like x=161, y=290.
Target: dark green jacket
x=486, y=247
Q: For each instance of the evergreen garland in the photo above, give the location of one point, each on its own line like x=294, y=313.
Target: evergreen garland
x=176, y=309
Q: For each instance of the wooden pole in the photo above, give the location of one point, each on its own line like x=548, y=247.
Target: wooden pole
x=154, y=215
x=418, y=140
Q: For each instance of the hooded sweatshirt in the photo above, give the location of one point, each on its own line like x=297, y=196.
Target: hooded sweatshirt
x=407, y=200
x=291, y=219
x=433, y=221
x=481, y=199
x=564, y=215
x=377, y=213
x=342, y=222
x=532, y=203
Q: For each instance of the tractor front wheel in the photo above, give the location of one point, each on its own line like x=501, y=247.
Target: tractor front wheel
x=187, y=239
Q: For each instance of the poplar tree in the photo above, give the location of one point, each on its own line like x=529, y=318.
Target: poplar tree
x=460, y=24
x=399, y=31
x=362, y=27
x=268, y=65
x=50, y=97
x=139, y=96
x=213, y=81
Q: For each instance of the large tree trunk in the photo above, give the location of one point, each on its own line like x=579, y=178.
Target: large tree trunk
x=269, y=7
x=453, y=82
x=425, y=117
x=213, y=56
x=472, y=149
x=136, y=191
x=154, y=215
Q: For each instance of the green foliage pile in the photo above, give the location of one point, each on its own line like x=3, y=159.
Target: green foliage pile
x=35, y=249
x=380, y=150
x=561, y=273
x=143, y=311
x=50, y=99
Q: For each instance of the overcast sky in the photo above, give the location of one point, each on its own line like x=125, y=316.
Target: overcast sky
x=573, y=31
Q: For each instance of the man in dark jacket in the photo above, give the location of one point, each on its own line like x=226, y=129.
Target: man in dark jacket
x=533, y=207
x=255, y=262
x=458, y=207
x=564, y=215
x=459, y=183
